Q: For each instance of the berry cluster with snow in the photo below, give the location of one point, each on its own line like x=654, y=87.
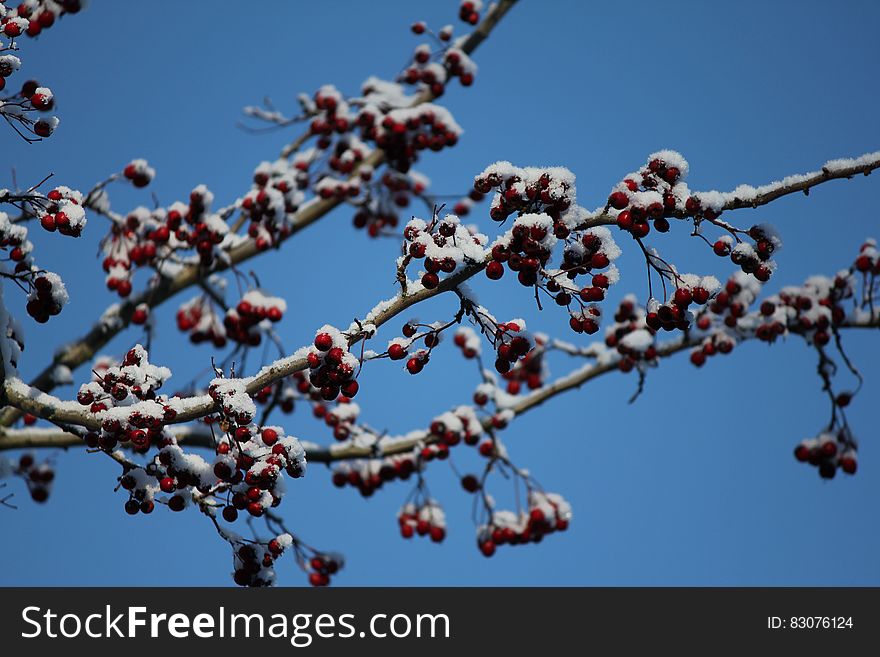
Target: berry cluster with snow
x=255, y=312
x=444, y=245
x=425, y=518
x=27, y=110
x=547, y=513
x=37, y=476
x=332, y=368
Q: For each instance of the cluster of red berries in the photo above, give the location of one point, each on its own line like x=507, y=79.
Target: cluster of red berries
x=468, y=341
x=868, y=260
x=206, y=230
x=47, y=294
x=133, y=380
x=394, y=190
x=147, y=235
x=331, y=365
x=525, y=249
x=828, y=452
x=342, y=418
x=417, y=361
x=460, y=66
x=512, y=343
x=47, y=297
x=64, y=212
x=251, y=460
x=422, y=69
x=453, y=62
x=139, y=172
x=233, y=401
x=135, y=242
x=274, y=196
x=675, y=313
x=370, y=476
x=733, y=301
x=33, y=16
x=630, y=336
x=347, y=154
x=452, y=428
x=469, y=11
x=425, y=518
x=378, y=210
x=443, y=244
x=32, y=97
x=38, y=476
x=654, y=194
x=530, y=370
x=593, y=251
x=330, y=187
x=198, y=318
x=140, y=489
x=330, y=114
x=629, y=317
x=717, y=343
x=755, y=259
x=547, y=513
x=402, y=133
x=436, y=74
x=811, y=310
x=529, y=191
x=254, y=562
x=13, y=236
x=586, y=320
x=322, y=566
x=9, y=64
x=242, y=323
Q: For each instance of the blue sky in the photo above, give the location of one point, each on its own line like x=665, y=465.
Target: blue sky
x=694, y=484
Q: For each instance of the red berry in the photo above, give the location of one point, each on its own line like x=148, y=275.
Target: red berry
x=618, y=200
x=430, y=280
x=494, y=270
x=323, y=341
x=414, y=365
x=11, y=29
x=48, y=222
x=848, y=464
x=863, y=263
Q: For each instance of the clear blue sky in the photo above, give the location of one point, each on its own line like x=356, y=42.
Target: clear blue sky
x=695, y=483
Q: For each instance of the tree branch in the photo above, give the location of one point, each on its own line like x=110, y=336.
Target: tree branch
x=199, y=436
